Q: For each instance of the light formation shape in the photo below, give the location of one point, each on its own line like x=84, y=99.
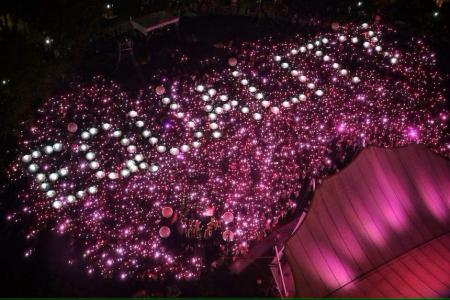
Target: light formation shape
x=126, y=178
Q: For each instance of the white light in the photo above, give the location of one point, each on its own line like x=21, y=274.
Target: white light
x=93, y=131
x=165, y=100
x=80, y=194
x=374, y=39
x=226, y=107
x=140, y=123
x=294, y=100
x=124, y=142
x=146, y=133
x=100, y=174
x=343, y=72
x=393, y=60
x=44, y=186
x=354, y=40
x=33, y=168
x=218, y=110
x=71, y=198
x=113, y=176
x=130, y=163
x=319, y=53
x=274, y=109
x=40, y=177
x=36, y=154
x=133, y=114
x=198, y=134
x=196, y=144
x=257, y=116
x=53, y=176
x=51, y=193
x=139, y=157
x=63, y=171
x=378, y=48
x=131, y=149
x=200, y=88
x=235, y=73
x=335, y=65
x=154, y=168
x=285, y=65
x=125, y=173
x=326, y=58
x=173, y=106
x=212, y=116
x=244, y=81
x=223, y=97
x=302, y=78
x=84, y=147
x=208, y=107
x=286, y=104
x=143, y=165
x=180, y=114
x=311, y=85
x=371, y=33
x=134, y=169
x=48, y=149
x=245, y=109
x=325, y=40
x=213, y=126
x=94, y=165
x=302, y=49
x=26, y=158
x=184, y=148
x=356, y=79
x=342, y=38
x=252, y=89
x=310, y=46
x=294, y=73
x=161, y=148
x=153, y=140
x=319, y=93
x=205, y=97
x=174, y=151
x=365, y=25
x=106, y=126
x=191, y=124
x=317, y=43
x=302, y=97
x=234, y=102
x=57, y=204
x=366, y=44
x=92, y=190
x=90, y=155
x=216, y=134
x=294, y=51
x=259, y=96
x=57, y=147
x=277, y=58
x=117, y=133
x=212, y=92
x=265, y=103
x=85, y=135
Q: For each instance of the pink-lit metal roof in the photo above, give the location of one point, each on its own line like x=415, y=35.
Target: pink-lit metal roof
x=372, y=221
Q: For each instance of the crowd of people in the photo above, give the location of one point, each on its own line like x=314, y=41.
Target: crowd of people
x=247, y=136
